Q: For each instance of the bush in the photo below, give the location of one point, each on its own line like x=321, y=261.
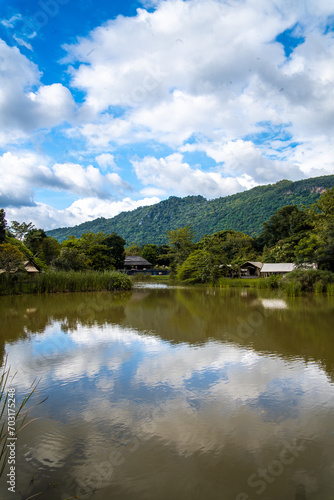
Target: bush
x=62, y=281
x=293, y=288
x=308, y=279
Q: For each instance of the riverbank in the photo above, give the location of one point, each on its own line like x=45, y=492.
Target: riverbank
x=64, y=281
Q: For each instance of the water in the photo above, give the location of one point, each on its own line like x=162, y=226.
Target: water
x=173, y=393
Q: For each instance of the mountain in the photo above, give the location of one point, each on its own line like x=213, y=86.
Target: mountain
x=244, y=212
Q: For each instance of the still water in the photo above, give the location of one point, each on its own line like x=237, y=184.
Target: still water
x=173, y=393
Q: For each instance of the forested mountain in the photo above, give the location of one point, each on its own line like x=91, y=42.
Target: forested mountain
x=244, y=212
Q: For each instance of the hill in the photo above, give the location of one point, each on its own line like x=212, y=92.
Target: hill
x=244, y=212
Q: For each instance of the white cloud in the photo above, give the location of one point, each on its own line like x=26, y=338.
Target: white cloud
x=105, y=161
x=24, y=109
x=22, y=173
x=172, y=174
x=212, y=71
x=47, y=217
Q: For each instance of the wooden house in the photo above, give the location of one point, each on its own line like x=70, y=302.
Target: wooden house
x=250, y=269
x=282, y=268
x=136, y=263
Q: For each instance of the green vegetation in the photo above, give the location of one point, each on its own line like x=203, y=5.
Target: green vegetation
x=243, y=212
x=20, y=415
x=64, y=281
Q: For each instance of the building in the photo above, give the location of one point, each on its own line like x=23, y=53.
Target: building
x=250, y=269
x=30, y=267
x=283, y=268
x=136, y=263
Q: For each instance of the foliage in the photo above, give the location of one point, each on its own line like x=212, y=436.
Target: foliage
x=70, y=259
x=116, y=245
x=181, y=242
x=3, y=225
x=307, y=279
x=100, y=258
x=64, y=281
x=19, y=231
x=243, y=212
x=132, y=250
x=285, y=223
x=20, y=415
x=150, y=253
x=11, y=259
x=200, y=267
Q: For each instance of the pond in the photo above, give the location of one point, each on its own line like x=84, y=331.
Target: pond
x=173, y=393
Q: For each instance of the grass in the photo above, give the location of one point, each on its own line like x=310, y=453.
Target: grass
x=292, y=289
x=20, y=415
x=63, y=281
x=330, y=289
x=244, y=283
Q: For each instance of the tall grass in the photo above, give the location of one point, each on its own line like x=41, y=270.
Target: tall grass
x=243, y=283
x=292, y=289
x=63, y=281
x=330, y=289
x=20, y=415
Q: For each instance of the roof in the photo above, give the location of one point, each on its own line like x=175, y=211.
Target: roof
x=285, y=267
x=255, y=264
x=135, y=260
x=31, y=267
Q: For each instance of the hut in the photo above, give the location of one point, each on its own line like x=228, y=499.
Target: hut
x=250, y=269
x=136, y=263
x=282, y=268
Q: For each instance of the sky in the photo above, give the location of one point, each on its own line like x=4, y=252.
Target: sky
x=108, y=106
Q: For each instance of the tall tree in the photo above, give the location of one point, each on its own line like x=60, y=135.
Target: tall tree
x=3, y=225
x=181, y=241
x=20, y=230
x=116, y=244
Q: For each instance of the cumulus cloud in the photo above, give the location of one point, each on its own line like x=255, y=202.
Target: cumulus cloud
x=210, y=70
x=172, y=174
x=47, y=217
x=22, y=173
x=22, y=107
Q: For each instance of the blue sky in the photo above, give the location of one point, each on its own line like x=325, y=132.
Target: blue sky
x=107, y=106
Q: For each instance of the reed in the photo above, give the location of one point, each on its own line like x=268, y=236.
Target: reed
x=20, y=415
x=64, y=281
x=330, y=289
x=292, y=289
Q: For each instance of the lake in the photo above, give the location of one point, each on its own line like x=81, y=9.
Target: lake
x=173, y=393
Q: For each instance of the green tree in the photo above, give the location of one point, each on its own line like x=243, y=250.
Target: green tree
x=100, y=258
x=116, y=244
x=133, y=249
x=285, y=223
x=3, y=225
x=34, y=239
x=20, y=230
x=71, y=259
x=150, y=253
x=11, y=259
x=200, y=267
x=181, y=241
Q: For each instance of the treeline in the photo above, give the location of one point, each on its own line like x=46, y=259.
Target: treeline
x=243, y=212
x=293, y=234
x=88, y=263
x=301, y=236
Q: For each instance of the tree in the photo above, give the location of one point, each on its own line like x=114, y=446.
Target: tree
x=33, y=240
x=181, y=241
x=100, y=258
x=19, y=231
x=116, y=244
x=70, y=259
x=11, y=259
x=200, y=267
x=150, y=253
x=3, y=225
x=286, y=222
x=132, y=249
